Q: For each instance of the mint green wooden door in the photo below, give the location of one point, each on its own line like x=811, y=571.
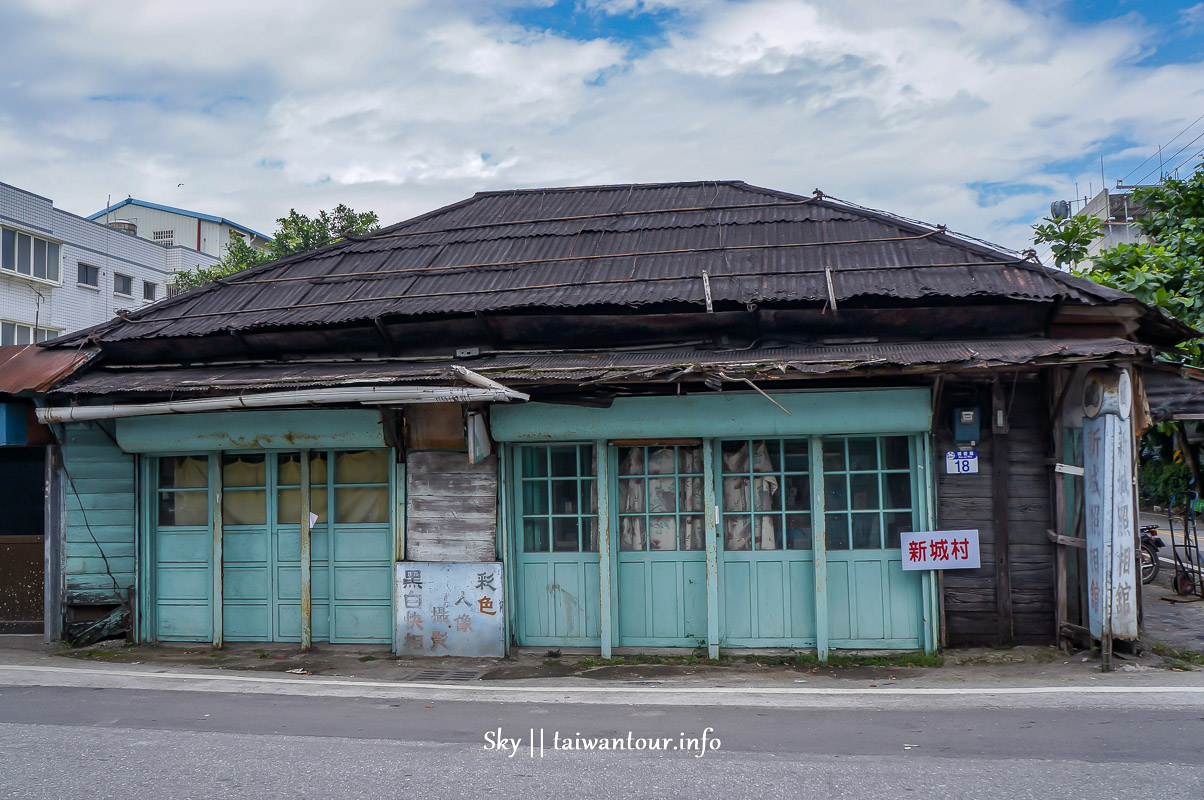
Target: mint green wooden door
x=351, y=546
x=556, y=546
x=182, y=550
x=767, y=574
x=871, y=495
x=661, y=551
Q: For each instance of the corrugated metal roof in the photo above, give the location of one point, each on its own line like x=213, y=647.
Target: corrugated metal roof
x=26, y=368
x=1173, y=393
x=606, y=246
x=611, y=365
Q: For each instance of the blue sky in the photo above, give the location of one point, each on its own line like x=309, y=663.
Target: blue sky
x=971, y=113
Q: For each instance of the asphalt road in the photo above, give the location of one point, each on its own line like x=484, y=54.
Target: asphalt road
x=59, y=742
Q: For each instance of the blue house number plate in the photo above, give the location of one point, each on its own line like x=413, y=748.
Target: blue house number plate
x=961, y=462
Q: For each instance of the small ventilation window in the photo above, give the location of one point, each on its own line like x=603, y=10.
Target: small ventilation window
x=166, y=238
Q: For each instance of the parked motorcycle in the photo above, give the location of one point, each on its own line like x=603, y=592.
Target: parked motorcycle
x=1151, y=543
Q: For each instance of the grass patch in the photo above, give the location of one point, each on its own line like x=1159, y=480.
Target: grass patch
x=691, y=660
x=1184, y=659
x=367, y=658
x=261, y=653
x=808, y=660
x=100, y=654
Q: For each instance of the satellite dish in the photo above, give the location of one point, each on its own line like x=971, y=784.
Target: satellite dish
x=1059, y=209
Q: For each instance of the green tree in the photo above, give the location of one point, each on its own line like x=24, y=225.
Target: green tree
x=296, y=233
x=1166, y=270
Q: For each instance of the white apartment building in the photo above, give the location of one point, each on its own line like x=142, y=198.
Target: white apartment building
x=60, y=272
x=177, y=226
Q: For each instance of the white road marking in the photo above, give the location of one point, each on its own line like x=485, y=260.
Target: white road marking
x=650, y=690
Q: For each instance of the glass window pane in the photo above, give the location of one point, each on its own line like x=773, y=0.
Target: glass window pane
x=361, y=504
x=589, y=494
x=863, y=454
x=564, y=497
x=767, y=456
x=768, y=532
x=662, y=494
x=589, y=535
x=8, y=246
x=691, y=531
x=632, y=534
x=535, y=535
x=184, y=472
x=631, y=461
x=184, y=508
x=896, y=523
x=24, y=334
x=690, y=492
x=836, y=534
x=564, y=535
x=661, y=461
x=288, y=506
x=796, y=455
x=798, y=532
x=689, y=460
x=586, y=457
x=39, y=258
x=734, y=457
x=52, y=261
x=535, y=497
x=735, y=494
x=244, y=507
x=737, y=533
x=288, y=469
x=836, y=493
x=631, y=496
x=535, y=462
x=863, y=492
x=8, y=333
x=564, y=461
x=24, y=246
x=867, y=534
x=662, y=533
x=896, y=454
x=834, y=455
x=798, y=492
x=244, y=469
x=361, y=466
x=897, y=490
x=766, y=494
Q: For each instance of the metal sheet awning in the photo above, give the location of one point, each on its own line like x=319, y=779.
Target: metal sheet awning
x=636, y=365
x=26, y=368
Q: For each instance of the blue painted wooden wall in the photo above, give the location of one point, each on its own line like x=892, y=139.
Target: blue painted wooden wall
x=99, y=517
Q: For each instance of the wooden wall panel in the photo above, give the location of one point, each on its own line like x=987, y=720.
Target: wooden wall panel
x=451, y=507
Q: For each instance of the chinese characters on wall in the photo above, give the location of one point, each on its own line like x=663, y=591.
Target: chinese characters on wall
x=1108, y=510
x=450, y=609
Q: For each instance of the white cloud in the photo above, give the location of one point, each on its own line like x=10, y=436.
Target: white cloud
x=401, y=107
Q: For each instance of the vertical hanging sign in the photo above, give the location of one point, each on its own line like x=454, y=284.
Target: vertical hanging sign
x=1108, y=497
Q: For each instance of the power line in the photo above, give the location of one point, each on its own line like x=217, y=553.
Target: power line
x=1171, y=158
x=1176, y=136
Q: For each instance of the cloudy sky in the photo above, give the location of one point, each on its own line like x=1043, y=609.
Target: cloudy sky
x=971, y=113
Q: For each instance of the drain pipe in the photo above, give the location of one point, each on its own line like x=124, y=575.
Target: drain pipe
x=372, y=395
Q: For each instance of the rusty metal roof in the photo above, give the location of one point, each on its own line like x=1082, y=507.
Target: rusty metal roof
x=1173, y=392
x=627, y=245
x=30, y=369
x=780, y=362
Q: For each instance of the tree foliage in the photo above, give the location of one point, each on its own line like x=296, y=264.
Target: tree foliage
x=296, y=233
x=1166, y=271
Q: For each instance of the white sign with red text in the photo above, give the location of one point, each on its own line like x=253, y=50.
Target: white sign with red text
x=940, y=550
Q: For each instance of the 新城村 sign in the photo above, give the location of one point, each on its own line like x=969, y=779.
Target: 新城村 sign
x=940, y=550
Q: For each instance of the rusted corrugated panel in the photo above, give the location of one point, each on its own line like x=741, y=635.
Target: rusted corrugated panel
x=29, y=368
x=605, y=246
x=588, y=366
x=1173, y=393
